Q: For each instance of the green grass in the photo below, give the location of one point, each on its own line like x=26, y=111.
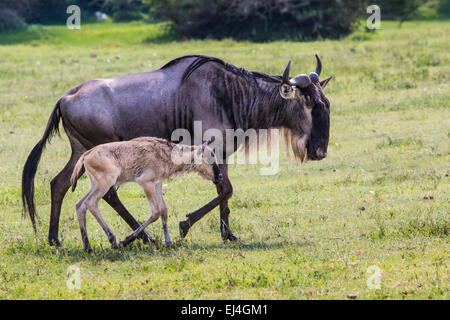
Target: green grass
x=98, y=34
x=304, y=232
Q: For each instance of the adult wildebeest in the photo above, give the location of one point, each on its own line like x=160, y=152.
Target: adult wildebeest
x=187, y=89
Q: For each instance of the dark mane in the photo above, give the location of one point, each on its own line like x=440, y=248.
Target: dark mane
x=201, y=60
x=267, y=77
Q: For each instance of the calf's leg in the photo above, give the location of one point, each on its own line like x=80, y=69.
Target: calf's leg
x=113, y=200
x=150, y=193
x=81, y=215
x=99, y=190
x=164, y=215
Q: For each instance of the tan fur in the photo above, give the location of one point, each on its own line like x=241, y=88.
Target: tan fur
x=287, y=140
x=147, y=161
x=298, y=146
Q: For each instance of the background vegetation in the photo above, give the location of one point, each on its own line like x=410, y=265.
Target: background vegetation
x=380, y=198
x=256, y=20
x=262, y=19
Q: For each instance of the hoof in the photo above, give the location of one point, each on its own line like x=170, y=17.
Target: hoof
x=232, y=237
x=228, y=235
x=114, y=246
x=184, y=228
x=169, y=244
x=54, y=242
x=145, y=237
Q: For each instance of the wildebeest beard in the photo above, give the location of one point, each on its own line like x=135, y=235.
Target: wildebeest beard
x=298, y=144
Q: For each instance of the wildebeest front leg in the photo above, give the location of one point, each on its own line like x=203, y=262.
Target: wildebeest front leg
x=225, y=191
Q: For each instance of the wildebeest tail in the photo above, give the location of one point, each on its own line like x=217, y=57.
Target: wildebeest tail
x=31, y=165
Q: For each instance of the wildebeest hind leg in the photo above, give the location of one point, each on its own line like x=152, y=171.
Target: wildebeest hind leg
x=59, y=186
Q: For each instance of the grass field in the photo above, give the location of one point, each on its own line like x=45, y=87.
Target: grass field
x=376, y=208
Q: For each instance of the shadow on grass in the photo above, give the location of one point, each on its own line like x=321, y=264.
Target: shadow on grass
x=248, y=246
x=139, y=250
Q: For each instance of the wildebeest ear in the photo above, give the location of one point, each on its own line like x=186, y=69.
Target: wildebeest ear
x=287, y=91
x=324, y=83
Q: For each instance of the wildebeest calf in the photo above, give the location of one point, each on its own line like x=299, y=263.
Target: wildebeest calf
x=146, y=160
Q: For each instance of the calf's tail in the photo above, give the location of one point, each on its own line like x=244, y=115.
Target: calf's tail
x=77, y=171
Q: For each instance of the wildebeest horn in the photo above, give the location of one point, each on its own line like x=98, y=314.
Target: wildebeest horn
x=301, y=81
x=286, y=73
x=318, y=65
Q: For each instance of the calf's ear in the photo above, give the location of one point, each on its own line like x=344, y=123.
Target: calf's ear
x=324, y=83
